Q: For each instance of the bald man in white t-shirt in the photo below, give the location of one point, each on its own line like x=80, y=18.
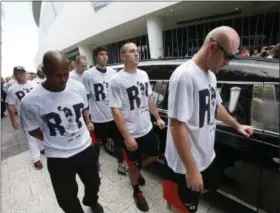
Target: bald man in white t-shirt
x=193, y=104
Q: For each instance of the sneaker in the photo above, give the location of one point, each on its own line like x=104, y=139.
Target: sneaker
x=122, y=169
x=141, y=181
x=140, y=201
x=38, y=165
x=97, y=209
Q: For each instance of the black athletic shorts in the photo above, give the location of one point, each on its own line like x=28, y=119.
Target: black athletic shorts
x=148, y=146
x=176, y=192
x=108, y=130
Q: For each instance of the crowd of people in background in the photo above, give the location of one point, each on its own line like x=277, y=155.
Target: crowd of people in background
x=272, y=52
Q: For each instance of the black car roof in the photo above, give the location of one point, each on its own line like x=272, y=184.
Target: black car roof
x=249, y=65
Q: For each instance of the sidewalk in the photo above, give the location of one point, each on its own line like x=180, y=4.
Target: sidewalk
x=26, y=190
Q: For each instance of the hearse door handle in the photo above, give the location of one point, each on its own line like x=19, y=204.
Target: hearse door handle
x=276, y=160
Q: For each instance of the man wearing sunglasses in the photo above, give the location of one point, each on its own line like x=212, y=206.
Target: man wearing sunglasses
x=81, y=66
x=189, y=152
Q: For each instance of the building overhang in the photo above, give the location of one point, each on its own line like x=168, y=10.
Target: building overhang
x=36, y=10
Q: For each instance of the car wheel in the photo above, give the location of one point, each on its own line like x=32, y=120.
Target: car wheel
x=109, y=146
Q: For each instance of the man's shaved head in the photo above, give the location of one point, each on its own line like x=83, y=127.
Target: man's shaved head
x=125, y=47
x=129, y=54
x=52, y=57
x=225, y=36
x=56, y=69
x=220, y=46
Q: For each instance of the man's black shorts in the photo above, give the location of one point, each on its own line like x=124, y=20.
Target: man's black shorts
x=148, y=146
x=176, y=192
x=108, y=130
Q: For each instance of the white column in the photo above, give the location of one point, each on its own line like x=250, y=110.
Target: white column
x=154, y=28
x=86, y=50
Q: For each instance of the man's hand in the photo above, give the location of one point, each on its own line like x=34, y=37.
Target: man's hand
x=90, y=126
x=160, y=123
x=131, y=144
x=245, y=130
x=194, y=181
x=15, y=125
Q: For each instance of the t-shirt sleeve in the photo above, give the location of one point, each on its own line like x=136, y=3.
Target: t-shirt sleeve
x=150, y=91
x=11, y=97
x=114, y=95
x=180, y=103
x=29, y=117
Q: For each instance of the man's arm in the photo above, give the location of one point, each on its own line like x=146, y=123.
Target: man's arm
x=225, y=117
x=86, y=116
x=120, y=122
x=12, y=113
x=11, y=101
x=180, y=137
x=153, y=107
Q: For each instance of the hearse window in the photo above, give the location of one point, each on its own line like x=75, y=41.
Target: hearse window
x=156, y=72
x=159, y=92
x=265, y=108
x=240, y=97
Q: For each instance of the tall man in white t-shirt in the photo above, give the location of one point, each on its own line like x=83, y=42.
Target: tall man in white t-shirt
x=96, y=81
x=80, y=67
x=15, y=93
x=130, y=97
x=193, y=106
x=53, y=113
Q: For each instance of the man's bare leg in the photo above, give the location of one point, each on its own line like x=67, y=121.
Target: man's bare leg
x=175, y=210
x=147, y=160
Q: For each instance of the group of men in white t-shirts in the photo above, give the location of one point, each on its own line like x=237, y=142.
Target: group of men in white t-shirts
x=63, y=112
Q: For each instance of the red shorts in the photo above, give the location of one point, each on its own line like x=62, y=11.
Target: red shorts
x=176, y=192
x=93, y=138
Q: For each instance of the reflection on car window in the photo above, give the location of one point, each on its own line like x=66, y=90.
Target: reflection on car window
x=243, y=104
x=159, y=92
x=265, y=108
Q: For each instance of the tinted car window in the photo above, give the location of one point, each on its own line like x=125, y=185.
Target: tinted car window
x=265, y=108
x=242, y=107
x=159, y=92
x=156, y=72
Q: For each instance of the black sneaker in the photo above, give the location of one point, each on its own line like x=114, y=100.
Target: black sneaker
x=97, y=209
x=140, y=201
x=141, y=181
x=122, y=169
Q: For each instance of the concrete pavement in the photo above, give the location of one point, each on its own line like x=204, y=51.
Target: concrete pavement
x=26, y=190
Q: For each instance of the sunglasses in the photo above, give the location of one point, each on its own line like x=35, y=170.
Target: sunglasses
x=228, y=56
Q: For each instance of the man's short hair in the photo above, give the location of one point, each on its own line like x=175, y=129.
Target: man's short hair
x=99, y=49
x=79, y=58
x=123, y=48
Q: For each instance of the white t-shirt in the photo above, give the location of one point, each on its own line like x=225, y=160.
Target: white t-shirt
x=38, y=80
x=17, y=91
x=97, y=84
x=59, y=114
x=74, y=75
x=193, y=99
x=130, y=93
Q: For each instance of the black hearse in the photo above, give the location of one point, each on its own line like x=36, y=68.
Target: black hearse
x=249, y=167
